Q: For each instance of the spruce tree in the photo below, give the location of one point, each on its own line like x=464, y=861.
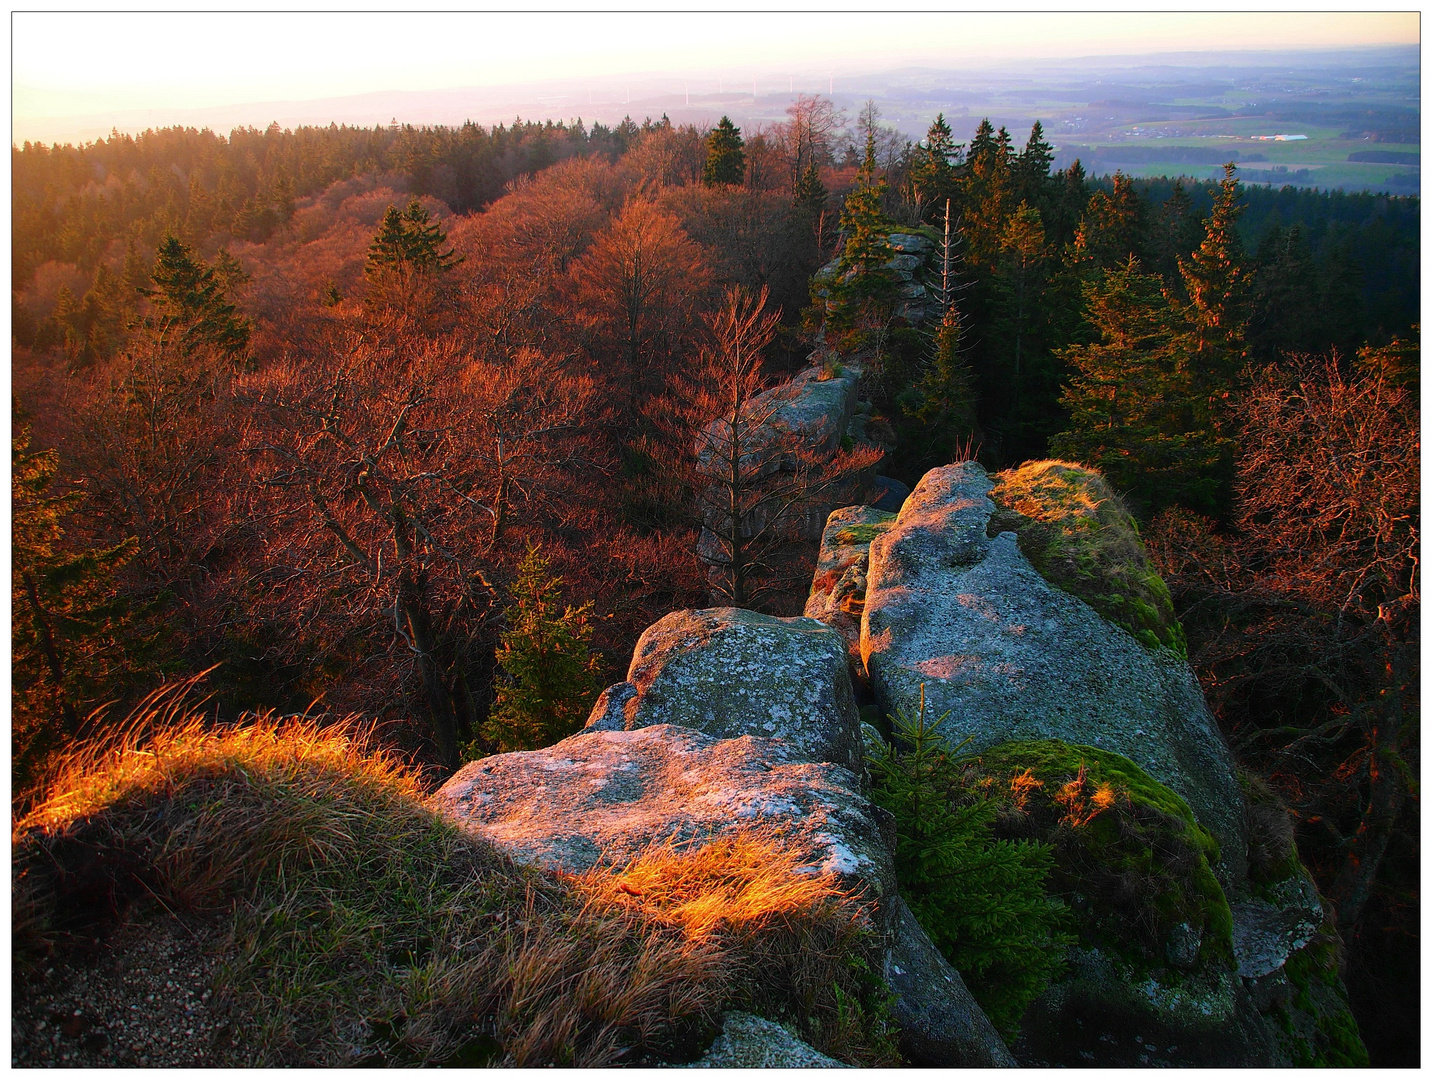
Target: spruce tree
x=932, y=167
x=1132, y=401
x=1217, y=279
x=191, y=308
x=549, y=676
x=725, y=155
x=71, y=631
x=1030, y=171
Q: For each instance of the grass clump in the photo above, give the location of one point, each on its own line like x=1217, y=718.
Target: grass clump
x=1077, y=533
x=1129, y=858
x=983, y=900
x=362, y=928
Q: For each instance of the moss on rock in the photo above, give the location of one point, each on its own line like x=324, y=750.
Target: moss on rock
x=1077, y=533
x=1129, y=857
x=1317, y=1025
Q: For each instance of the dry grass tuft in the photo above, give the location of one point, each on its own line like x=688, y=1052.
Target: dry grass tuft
x=363, y=928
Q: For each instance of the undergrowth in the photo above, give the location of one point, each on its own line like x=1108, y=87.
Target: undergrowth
x=1076, y=532
x=365, y=929
x=982, y=900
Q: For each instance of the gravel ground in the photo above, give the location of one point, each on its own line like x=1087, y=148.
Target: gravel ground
x=142, y=997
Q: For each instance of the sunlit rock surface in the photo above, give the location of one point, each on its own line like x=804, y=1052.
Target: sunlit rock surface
x=730, y=672
x=837, y=592
x=602, y=797
x=1004, y=655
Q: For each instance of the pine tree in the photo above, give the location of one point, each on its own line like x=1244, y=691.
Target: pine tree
x=549, y=676
x=1022, y=253
x=725, y=155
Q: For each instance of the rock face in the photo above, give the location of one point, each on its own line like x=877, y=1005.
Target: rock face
x=940, y=1024
x=602, y=797
x=749, y=1042
x=909, y=254
x=730, y=672
x=1266, y=933
x=837, y=592
x=1005, y=655
x=803, y=419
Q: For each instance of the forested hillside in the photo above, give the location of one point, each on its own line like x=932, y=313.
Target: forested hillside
x=400, y=422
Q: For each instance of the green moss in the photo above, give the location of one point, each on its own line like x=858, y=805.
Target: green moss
x=1074, y=530
x=1130, y=859
x=1320, y=1025
x=865, y=532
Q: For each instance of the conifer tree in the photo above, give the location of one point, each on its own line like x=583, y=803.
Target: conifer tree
x=810, y=192
x=1217, y=279
x=1030, y=171
x=725, y=155
x=191, y=309
x=932, y=167
x=1132, y=402
x=68, y=621
x=550, y=676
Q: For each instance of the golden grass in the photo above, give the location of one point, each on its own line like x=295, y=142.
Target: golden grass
x=362, y=927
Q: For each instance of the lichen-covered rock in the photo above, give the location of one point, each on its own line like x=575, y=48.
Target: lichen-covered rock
x=1003, y=654
x=602, y=797
x=750, y=1042
x=941, y=1025
x=731, y=672
x=1265, y=934
x=811, y=412
x=837, y=591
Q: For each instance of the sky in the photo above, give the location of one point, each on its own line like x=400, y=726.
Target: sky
x=68, y=64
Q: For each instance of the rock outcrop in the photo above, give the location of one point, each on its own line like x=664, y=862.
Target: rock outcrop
x=730, y=672
x=837, y=591
x=939, y=1020
x=603, y=797
x=800, y=423
x=1003, y=654
x=910, y=253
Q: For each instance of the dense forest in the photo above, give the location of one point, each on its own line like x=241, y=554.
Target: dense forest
x=399, y=422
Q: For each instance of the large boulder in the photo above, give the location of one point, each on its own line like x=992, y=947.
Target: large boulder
x=730, y=672
x=941, y=1026
x=603, y=797
x=1004, y=654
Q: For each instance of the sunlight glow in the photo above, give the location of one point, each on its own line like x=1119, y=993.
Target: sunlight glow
x=72, y=64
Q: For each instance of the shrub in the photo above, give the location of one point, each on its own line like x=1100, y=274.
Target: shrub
x=982, y=900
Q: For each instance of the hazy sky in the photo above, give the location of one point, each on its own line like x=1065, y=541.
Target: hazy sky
x=68, y=64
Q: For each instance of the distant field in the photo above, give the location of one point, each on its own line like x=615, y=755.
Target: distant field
x=1321, y=160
